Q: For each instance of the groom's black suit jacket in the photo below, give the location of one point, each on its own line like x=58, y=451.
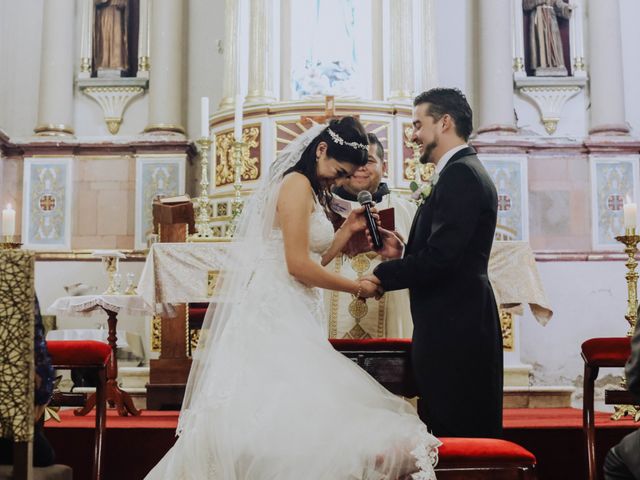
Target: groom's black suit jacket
x=457, y=339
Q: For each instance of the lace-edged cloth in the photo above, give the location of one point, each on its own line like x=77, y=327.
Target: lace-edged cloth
x=87, y=305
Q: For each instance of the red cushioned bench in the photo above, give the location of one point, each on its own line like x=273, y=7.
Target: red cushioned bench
x=484, y=459
x=606, y=352
x=67, y=354
x=388, y=360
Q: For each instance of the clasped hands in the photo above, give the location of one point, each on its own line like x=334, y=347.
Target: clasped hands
x=392, y=247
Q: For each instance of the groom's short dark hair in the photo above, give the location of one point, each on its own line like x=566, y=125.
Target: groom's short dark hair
x=449, y=101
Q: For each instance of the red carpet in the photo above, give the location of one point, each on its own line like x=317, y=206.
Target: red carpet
x=134, y=444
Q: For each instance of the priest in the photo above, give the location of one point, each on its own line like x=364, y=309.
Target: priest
x=389, y=317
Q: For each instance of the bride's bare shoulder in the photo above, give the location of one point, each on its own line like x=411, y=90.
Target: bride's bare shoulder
x=296, y=185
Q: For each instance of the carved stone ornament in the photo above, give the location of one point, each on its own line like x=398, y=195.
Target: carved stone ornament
x=113, y=95
x=550, y=96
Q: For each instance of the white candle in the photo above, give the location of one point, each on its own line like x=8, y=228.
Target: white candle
x=204, y=117
x=630, y=214
x=237, y=122
x=9, y=221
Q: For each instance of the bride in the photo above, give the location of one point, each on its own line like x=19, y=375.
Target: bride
x=268, y=398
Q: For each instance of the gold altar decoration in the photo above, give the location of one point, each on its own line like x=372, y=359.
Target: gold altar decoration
x=630, y=241
x=212, y=280
x=156, y=333
x=411, y=159
x=9, y=242
x=110, y=260
x=237, y=203
x=506, y=322
x=193, y=340
x=226, y=156
x=203, y=220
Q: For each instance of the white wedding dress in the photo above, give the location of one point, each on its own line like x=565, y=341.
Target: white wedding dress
x=268, y=397
x=284, y=405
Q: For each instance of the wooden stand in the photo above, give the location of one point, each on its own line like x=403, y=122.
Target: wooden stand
x=168, y=374
x=116, y=398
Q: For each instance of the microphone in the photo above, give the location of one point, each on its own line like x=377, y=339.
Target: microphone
x=365, y=199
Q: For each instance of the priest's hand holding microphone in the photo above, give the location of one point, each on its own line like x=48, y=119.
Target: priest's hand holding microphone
x=386, y=243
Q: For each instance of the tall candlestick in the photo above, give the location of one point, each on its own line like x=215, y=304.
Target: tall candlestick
x=204, y=117
x=9, y=221
x=630, y=214
x=237, y=122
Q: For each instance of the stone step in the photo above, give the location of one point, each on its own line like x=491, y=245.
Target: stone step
x=133, y=377
x=537, y=397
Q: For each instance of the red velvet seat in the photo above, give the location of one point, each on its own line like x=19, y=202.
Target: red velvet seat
x=484, y=458
x=67, y=354
x=597, y=353
x=78, y=353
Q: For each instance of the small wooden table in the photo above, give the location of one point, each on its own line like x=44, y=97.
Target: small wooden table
x=87, y=305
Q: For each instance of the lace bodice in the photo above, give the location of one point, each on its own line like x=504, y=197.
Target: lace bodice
x=320, y=233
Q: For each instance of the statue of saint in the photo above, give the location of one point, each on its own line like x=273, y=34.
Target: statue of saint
x=110, y=48
x=547, y=58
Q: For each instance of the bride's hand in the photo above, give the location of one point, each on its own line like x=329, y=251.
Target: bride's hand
x=356, y=221
x=368, y=289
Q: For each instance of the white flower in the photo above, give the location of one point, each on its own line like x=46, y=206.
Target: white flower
x=422, y=192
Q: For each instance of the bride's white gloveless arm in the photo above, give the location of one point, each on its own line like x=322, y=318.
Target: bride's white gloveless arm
x=295, y=204
x=354, y=223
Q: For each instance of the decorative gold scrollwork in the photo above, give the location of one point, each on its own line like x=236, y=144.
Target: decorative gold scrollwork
x=506, y=321
x=410, y=163
x=225, y=169
x=156, y=333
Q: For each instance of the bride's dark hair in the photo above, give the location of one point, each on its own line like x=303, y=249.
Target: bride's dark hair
x=348, y=129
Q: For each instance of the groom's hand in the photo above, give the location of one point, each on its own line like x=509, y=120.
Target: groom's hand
x=392, y=245
x=375, y=280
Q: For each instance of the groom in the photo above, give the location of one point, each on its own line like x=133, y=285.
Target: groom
x=457, y=340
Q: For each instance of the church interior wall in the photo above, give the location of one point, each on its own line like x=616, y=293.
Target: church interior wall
x=588, y=297
x=559, y=202
x=588, y=301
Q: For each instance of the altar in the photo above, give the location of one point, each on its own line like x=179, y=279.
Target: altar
x=180, y=273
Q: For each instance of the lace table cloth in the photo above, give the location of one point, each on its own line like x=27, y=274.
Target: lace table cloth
x=178, y=273
x=86, y=305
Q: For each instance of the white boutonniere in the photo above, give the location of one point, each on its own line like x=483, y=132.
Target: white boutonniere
x=420, y=192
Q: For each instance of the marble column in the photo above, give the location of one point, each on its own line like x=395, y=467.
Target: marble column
x=165, y=83
x=377, y=50
x=495, y=80
x=429, y=77
x=401, y=76
x=261, y=44
x=605, y=69
x=285, y=50
x=55, y=104
x=230, y=82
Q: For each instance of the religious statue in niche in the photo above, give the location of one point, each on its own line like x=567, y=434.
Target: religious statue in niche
x=110, y=45
x=546, y=57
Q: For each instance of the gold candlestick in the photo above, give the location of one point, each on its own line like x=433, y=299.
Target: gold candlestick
x=631, y=240
x=203, y=219
x=9, y=242
x=237, y=203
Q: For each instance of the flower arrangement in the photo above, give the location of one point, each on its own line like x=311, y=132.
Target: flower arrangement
x=422, y=191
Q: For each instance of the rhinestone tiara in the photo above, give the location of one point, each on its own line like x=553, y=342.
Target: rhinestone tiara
x=340, y=141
